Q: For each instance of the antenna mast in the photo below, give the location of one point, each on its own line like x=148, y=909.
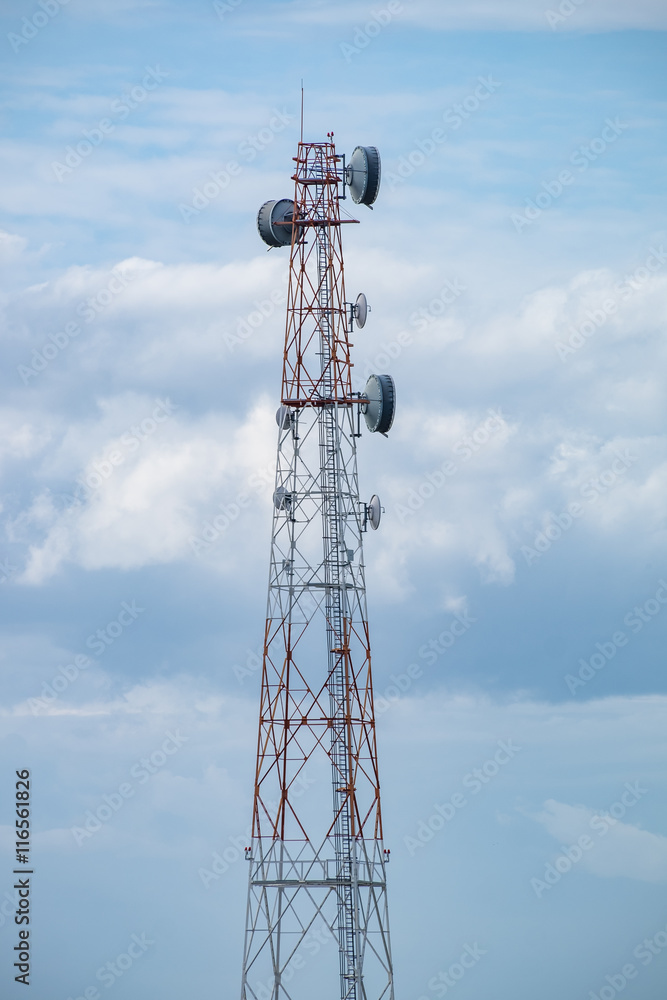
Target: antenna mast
x=317, y=880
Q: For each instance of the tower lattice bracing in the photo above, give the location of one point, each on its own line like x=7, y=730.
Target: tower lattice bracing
x=317, y=923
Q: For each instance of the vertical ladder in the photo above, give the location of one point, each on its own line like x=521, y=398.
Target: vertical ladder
x=335, y=556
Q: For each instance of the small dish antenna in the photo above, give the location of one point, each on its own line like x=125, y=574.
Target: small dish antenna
x=282, y=499
x=379, y=410
x=283, y=417
x=374, y=510
x=360, y=310
x=362, y=175
x=274, y=222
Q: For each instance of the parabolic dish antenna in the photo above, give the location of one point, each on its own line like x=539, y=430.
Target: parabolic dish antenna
x=362, y=175
x=283, y=417
x=282, y=499
x=360, y=310
x=379, y=410
x=269, y=222
x=375, y=512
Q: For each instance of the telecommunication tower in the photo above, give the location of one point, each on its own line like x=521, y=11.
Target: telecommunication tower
x=317, y=921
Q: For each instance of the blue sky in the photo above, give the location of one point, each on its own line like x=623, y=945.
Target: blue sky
x=516, y=265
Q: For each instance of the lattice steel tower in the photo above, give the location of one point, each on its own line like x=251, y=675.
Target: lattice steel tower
x=317, y=923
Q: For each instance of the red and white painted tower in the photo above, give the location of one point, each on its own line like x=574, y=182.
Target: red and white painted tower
x=317, y=922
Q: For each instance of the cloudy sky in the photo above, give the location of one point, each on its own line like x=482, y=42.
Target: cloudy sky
x=516, y=265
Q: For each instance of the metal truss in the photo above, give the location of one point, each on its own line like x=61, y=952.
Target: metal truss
x=315, y=863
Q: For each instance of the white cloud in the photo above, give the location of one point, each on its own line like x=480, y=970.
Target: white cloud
x=21, y=434
x=143, y=494
x=531, y=14
x=484, y=15
x=537, y=461
x=428, y=742
x=11, y=246
x=187, y=314
x=620, y=849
